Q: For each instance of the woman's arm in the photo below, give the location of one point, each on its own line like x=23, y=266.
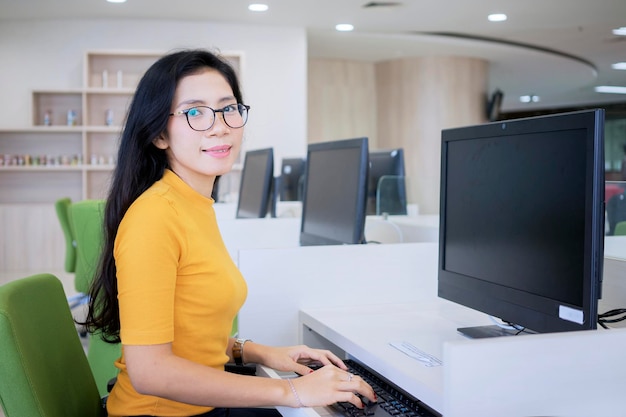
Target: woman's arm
x=155, y=370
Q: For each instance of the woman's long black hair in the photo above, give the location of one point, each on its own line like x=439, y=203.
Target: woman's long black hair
x=139, y=165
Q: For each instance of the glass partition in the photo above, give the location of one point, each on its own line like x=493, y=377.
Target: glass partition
x=391, y=195
x=615, y=219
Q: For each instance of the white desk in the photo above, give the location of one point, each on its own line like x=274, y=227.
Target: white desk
x=355, y=299
x=566, y=374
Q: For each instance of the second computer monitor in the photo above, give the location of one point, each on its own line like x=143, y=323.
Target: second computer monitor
x=386, y=189
x=333, y=210
x=292, y=179
x=256, y=188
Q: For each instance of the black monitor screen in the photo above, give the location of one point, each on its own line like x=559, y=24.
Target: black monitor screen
x=521, y=221
x=386, y=188
x=333, y=210
x=292, y=179
x=255, y=190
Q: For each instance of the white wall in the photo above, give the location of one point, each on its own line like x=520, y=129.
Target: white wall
x=48, y=55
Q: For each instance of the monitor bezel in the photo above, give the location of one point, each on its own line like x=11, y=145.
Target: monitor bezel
x=504, y=302
x=358, y=230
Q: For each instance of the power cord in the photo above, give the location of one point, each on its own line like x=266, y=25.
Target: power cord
x=604, y=318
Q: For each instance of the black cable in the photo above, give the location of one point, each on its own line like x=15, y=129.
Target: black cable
x=603, y=319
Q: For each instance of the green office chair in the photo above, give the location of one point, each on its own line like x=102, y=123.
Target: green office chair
x=87, y=218
x=620, y=229
x=43, y=367
x=62, y=207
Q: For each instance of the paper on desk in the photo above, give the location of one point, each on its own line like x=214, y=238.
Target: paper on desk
x=415, y=353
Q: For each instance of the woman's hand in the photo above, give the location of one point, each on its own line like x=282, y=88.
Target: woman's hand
x=291, y=358
x=329, y=385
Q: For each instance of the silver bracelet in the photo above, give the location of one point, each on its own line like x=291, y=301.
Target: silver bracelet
x=295, y=393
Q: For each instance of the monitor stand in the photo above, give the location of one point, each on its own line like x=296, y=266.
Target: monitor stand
x=480, y=332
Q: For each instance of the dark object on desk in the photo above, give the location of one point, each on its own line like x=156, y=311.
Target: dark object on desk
x=292, y=179
x=392, y=401
x=245, y=369
x=522, y=219
x=335, y=187
x=386, y=188
x=256, y=191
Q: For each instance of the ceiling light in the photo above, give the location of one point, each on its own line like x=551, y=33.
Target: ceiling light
x=344, y=27
x=116, y=1
x=529, y=99
x=619, y=66
x=258, y=7
x=611, y=89
x=497, y=17
x=620, y=31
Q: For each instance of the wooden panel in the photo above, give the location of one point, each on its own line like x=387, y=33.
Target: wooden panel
x=341, y=100
x=32, y=239
x=417, y=98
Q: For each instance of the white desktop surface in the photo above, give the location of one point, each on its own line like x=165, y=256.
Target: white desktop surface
x=574, y=374
x=365, y=334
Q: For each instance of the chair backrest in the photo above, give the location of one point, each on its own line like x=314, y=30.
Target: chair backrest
x=62, y=207
x=87, y=218
x=43, y=367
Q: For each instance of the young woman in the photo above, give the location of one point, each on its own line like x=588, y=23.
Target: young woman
x=167, y=287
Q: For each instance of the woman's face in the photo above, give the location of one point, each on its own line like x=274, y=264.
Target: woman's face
x=199, y=156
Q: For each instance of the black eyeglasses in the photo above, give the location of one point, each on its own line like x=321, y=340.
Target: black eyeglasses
x=202, y=118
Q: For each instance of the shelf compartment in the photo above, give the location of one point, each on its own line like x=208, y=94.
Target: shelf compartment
x=56, y=104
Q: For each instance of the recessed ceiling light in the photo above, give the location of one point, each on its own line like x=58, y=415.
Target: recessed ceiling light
x=258, y=7
x=116, y=1
x=497, y=17
x=611, y=89
x=344, y=27
x=619, y=66
x=620, y=31
x=529, y=99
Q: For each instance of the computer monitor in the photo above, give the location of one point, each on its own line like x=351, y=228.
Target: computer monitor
x=292, y=179
x=521, y=221
x=335, y=186
x=256, y=190
x=387, y=165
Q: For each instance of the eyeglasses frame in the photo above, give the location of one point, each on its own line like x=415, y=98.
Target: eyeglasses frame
x=186, y=113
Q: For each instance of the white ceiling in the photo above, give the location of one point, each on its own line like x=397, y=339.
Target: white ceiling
x=556, y=49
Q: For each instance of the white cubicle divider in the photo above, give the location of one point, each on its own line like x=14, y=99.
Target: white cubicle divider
x=284, y=209
x=259, y=233
x=282, y=281
x=574, y=374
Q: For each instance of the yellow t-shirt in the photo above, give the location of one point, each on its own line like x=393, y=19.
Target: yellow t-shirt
x=176, y=284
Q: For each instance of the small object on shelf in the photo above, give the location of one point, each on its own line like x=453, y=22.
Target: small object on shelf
x=108, y=117
x=71, y=117
x=47, y=118
x=105, y=79
x=120, y=79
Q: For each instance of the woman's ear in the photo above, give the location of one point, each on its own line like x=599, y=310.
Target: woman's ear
x=160, y=142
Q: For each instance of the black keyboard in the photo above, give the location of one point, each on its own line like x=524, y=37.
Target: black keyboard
x=392, y=401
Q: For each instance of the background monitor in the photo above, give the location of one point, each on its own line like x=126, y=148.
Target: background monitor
x=521, y=221
x=335, y=186
x=292, y=179
x=387, y=164
x=256, y=190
